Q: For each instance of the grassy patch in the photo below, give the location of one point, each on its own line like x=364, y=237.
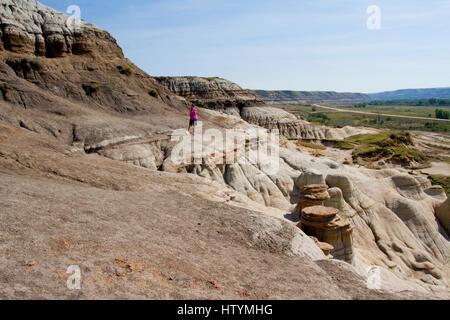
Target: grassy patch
x=342, y=119
x=154, y=93
x=91, y=88
x=341, y=144
x=125, y=70
x=311, y=145
x=390, y=145
x=441, y=181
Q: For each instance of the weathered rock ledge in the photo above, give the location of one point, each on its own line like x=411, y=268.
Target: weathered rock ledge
x=28, y=27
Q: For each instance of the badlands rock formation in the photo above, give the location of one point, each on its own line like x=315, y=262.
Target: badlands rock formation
x=325, y=224
x=93, y=176
x=28, y=27
x=228, y=97
x=443, y=214
x=312, y=195
x=212, y=93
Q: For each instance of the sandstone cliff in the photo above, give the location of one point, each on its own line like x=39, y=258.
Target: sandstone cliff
x=28, y=27
x=212, y=93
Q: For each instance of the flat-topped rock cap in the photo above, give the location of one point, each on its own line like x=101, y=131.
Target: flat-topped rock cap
x=324, y=246
x=314, y=188
x=319, y=213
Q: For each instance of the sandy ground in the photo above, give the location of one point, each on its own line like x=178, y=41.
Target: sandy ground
x=438, y=168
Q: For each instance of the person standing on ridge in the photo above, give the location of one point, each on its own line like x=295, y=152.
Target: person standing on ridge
x=193, y=117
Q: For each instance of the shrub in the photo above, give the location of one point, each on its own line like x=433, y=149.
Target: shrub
x=125, y=70
x=154, y=93
x=91, y=88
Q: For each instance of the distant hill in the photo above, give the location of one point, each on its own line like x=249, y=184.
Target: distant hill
x=412, y=94
x=308, y=97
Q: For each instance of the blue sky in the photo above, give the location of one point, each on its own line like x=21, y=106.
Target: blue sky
x=287, y=44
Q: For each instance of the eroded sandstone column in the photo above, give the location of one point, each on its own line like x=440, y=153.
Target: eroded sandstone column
x=325, y=224
x=311, y=195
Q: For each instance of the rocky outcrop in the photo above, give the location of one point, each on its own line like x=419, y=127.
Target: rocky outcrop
x=309, y=176
x=326, y=225
x=289, y=125
x=312, y=195
x=113, y=141
x=443, y=214
x=212, y=93
x=228, y=97
x=437, y=192
x=28, y=27
x=325, y=247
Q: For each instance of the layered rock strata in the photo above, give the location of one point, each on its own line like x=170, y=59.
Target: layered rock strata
x=212, y=93
x=312, y=195
x=28, y=27
x=227, y=97
x=328, y=226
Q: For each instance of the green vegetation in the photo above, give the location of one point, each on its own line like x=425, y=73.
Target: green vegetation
x=311, y=145
x=125, y=70
x=91, y=88
x=420, y=102
x=390, y=145
x=154, y=93
x=341, y=144
x=318, y=117
x=443, y=181
x=442, y=114
x=342, y=119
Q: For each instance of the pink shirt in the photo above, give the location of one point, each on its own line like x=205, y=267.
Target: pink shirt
x=193, y=114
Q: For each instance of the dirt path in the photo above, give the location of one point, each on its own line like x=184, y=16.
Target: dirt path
x=379, y=114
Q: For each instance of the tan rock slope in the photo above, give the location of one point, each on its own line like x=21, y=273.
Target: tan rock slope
x=87, y=161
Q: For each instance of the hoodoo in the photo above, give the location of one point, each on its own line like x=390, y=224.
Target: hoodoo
x=312, y=195
x=328, y=226
x=96, y=170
